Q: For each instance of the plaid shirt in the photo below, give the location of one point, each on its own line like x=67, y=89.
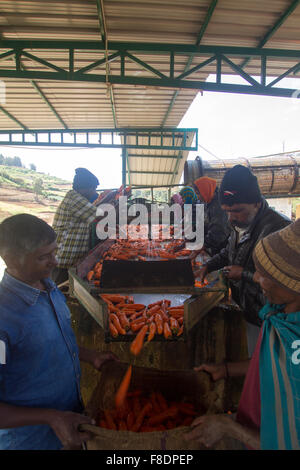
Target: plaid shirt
x=71, y=223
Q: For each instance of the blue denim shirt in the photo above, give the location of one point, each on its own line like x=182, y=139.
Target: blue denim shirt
x=39, y=363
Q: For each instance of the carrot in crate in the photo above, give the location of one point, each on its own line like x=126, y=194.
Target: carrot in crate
x=110, y=420
x=90, y=275
x=160, y=418
x=139, y=421
x=123, y=388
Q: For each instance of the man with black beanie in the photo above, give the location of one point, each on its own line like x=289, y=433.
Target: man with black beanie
x=251, y=219
x=72, y=222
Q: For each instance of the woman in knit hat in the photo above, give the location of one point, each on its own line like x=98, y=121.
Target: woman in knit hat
x=216, y=226
x=72, y=222
x=268, y=415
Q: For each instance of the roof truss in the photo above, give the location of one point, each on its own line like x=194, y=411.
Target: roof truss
x=218, y=60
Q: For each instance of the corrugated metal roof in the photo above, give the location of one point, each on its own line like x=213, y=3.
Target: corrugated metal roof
x=88, y=105
x=156, y=167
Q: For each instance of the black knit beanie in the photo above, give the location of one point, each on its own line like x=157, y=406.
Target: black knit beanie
x=84, y=179
x=239, y=186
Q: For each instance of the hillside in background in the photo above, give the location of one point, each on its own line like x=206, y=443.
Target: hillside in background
x=24, y=190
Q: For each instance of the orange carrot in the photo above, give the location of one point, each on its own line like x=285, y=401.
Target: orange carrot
x=163, y=416
x=113, y=330
x=123, y=388
x=139, y=421
x=159, y=324
x=109, y=420
x=167, y=330
x=152, y=331
x=130, y=420
x=174, y=325
x=123, y=321
x=180, y=331
x=137, y=343
x=137, y=326
x=90, y=275
x=116, y=322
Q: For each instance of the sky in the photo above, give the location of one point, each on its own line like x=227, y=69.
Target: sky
x=230, y=126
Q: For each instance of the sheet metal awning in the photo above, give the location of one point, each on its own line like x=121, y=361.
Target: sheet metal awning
x=34, y=101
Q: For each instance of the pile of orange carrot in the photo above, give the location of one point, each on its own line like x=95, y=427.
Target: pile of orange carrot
x=144, y=321
x=141, y=412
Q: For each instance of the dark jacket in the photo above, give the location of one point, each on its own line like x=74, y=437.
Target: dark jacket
x=246, y=293
x=216, y=226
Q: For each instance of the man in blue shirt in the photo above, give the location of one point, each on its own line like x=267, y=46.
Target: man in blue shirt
x=40, y=400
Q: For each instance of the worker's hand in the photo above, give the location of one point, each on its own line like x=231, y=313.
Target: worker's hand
x=208, y=429
x=101, y=358
x=216, y=371
x=65, y=425
x=96, y=358
x=201, y=273
x=233, y=272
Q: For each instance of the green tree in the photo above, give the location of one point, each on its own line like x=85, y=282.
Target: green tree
x=38, y=188
x=32, y=167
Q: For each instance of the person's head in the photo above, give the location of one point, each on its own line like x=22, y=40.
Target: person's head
x=277, y=263
x=188, y=195
x=28, y=247
x=205, y=187
x=85, y=183
x=240, y=196
x=177, y=199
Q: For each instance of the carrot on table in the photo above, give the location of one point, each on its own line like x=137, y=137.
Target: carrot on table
x=159, y=323
x=152, y=331
x=113, y=330
x=90, y=275
x=116, y=322
x=167, y=330
x=180, y=331
x=137, y=326
x=174, y=325
x=123, y=388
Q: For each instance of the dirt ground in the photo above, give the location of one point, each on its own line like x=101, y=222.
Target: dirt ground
x=17, y=201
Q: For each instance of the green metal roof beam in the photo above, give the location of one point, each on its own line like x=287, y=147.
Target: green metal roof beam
x=13, y=118
x=152, y=172
x=145, y=47
x=275, y=27
x=190, y=59
x=153, y=156
x=45, y=99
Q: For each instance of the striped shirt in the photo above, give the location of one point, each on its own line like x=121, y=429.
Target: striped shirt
x=71, y=223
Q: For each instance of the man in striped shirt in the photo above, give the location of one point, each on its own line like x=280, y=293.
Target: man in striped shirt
x=72, y=222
